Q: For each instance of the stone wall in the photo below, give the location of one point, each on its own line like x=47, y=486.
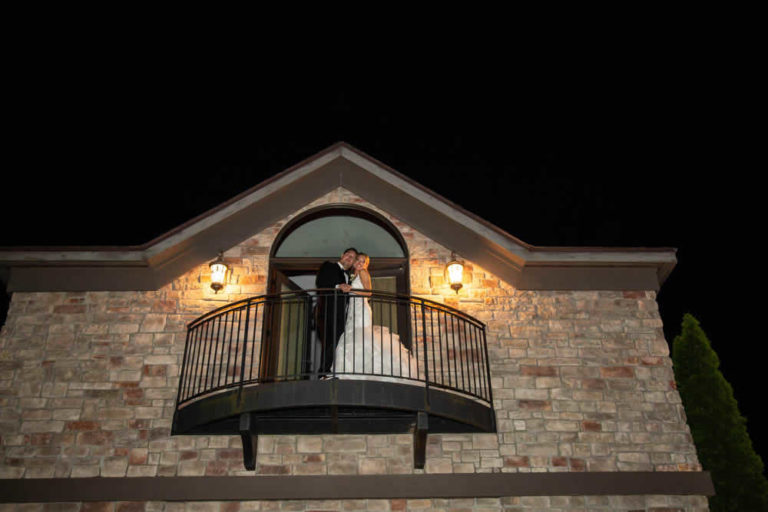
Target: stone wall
x=649, y=503
x=582, y=381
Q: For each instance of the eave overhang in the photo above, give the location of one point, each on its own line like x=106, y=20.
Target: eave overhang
x=156, y=263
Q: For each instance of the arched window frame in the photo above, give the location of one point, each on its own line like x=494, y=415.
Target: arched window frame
x=380, y=264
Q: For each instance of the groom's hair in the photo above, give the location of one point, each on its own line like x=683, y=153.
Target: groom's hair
x=350, y=249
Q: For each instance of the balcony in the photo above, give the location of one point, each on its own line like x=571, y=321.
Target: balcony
x=256, y=367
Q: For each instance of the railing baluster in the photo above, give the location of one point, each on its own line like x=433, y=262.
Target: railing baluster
x=274, y=334
x=216, y=321
x=480, y=342
x=439, y=343
x=284, y=350
x=187, y=368
x=209, y=364
x=457, y=355
x=222, y=327
x=381, y=349
x=200, y=357
x=460, y=353
x=179, y=397
x=489, y=388
x=448, y=349
x=231, y=322
x=416, y=340
x=340, y=341
x=480, y=365
x=425, y=355
x=236, y=336
x=332, y=349
x=432, y=342
x=475, y=359
x=253, y=342
x=295, y=308
x=285, y=307
x=468, y=357
x=453, y=351
x=373, y=350
x=446, y=346
x=391, y=352
x=193, y=360
x=463, y=354
x=354, y=341
x=245, y=344
x=305, y=368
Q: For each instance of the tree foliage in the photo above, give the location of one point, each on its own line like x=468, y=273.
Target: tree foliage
x=718, y=428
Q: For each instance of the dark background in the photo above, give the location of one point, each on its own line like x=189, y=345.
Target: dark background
x=639, y=146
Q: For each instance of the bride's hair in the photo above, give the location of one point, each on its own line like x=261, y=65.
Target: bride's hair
x=367, y=261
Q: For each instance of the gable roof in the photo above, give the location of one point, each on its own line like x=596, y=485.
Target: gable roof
x=154, y=264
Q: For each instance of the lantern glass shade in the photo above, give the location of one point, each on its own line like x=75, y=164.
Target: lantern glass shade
x=455, y=271
x=218, y=274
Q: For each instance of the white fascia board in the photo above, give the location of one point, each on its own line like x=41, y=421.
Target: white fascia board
x=601, y=257
x=74, y=256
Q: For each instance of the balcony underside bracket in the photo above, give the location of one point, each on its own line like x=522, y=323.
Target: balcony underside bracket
x=250, y=441
x=420, y=440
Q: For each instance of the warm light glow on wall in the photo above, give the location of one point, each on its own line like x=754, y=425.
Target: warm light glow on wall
x=455, y=271
x=218, y=274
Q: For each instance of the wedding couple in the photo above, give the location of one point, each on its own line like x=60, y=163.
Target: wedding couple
x=351, y=344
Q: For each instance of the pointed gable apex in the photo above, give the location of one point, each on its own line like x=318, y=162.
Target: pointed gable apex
x=152, y=265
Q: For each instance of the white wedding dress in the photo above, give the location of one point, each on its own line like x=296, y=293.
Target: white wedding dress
x=373, y=350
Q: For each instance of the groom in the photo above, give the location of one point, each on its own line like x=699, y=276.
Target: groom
x=331, y=312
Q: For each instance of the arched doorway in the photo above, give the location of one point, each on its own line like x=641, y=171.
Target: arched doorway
x=318, y=235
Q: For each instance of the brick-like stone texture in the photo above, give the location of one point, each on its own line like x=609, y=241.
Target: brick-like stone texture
x=582, y=381
x=649, y=503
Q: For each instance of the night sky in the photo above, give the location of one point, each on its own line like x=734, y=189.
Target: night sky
x=630, y=153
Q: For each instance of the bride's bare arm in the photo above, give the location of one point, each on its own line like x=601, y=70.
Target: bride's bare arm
x=365, y=277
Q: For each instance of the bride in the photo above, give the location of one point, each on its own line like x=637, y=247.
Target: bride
x=364, y=347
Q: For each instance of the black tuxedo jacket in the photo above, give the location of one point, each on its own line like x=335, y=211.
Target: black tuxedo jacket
x=330, y=275
x=331, y=311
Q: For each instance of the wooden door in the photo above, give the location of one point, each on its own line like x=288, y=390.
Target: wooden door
x=287, y=332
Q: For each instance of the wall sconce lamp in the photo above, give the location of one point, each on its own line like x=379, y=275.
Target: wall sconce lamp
x=218, y=273
x=455, y=271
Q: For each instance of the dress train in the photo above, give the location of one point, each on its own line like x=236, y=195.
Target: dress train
x=373, y=350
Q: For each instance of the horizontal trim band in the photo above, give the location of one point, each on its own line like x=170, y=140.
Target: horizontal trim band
x=246, y=488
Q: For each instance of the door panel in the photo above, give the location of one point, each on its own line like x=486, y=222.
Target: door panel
x=286, y=336
x=394, y=314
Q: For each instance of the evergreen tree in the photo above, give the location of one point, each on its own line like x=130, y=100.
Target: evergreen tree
x=718, y=429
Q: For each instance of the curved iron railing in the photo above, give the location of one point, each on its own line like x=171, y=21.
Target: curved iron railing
x=275, y=338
